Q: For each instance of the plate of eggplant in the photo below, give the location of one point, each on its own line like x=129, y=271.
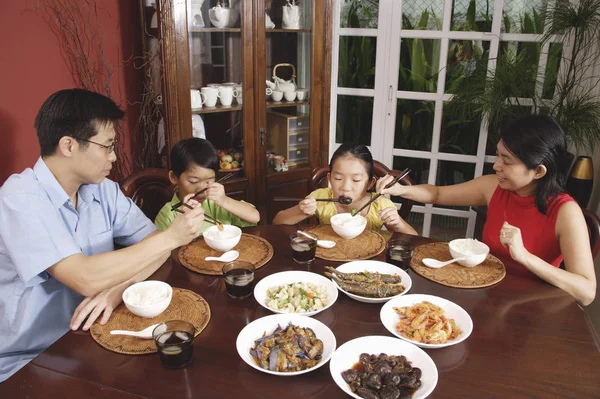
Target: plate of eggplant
x=370, y=281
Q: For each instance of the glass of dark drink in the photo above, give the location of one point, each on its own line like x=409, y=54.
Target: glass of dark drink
x=239, y=278
x=175, y=342
x=303, y=249
x=399, y=253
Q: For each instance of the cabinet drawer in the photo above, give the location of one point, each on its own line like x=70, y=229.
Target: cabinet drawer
x=299, y=139
x=299, y=123
x=297, y=154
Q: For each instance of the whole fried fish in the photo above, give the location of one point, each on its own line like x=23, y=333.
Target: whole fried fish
x=377, y=289
x=365, y=276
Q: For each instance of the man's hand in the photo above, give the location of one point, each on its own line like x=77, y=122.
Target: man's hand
x=187, y=226
x=105, y=301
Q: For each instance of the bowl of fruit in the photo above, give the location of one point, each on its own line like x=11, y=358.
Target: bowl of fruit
x=231, y=160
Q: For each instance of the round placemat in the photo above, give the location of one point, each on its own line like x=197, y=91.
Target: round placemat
x=253, y=249
x=185, y=305
x=367, y=245
x=490, y=272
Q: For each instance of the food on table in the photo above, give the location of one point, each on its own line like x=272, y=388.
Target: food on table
x=383, y=377
x=426, y=323
x=291, y=349
x=221, y=235
x=147, y=295
x=371, y=285
x=297, y=297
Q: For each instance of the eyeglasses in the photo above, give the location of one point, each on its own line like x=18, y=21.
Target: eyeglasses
x=109, y=148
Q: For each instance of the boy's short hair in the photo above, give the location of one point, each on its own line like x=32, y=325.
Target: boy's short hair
x=193, y=151
x=75, y=113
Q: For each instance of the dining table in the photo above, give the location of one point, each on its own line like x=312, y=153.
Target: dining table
x=529, y=340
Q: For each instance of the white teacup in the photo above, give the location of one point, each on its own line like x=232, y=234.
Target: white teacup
x=289, y=95
x=238, y=94
x=302, y=94
x=226, y=95
x=211, y=94
x=197, y=98
x=276, y=95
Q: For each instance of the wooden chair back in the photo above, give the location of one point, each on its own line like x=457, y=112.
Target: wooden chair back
x=150, y=189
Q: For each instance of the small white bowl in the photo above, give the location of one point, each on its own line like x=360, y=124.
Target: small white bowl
x=147, y=310
x=477, y=253
x=347, y=229
x=374, y=266
x=232, y=234
x=290, y=277
x=266, y=325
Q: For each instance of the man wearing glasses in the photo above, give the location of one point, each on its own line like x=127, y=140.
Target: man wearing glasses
x=58, y=225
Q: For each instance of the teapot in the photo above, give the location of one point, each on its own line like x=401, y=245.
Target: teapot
x=223, y=17
x=281, y=84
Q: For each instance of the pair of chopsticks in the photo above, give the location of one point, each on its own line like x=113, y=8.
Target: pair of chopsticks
x=396, y=180
x=222, y=179
x=207, y=218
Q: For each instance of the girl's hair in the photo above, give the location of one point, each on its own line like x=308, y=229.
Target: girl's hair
x=538, y=140
x=361, y=152
x=193, y=151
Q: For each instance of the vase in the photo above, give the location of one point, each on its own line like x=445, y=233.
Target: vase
x=581, y=180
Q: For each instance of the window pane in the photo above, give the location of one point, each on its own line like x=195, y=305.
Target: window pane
x=459, y=136
x=419, y=65
x=509, y=113
x=524, y=58
x=356, y=68
x=422, y=14
x=419, y=171
x=488, y=169
x=416, y=221
x=472, y=15
x=523, y=17
x=450, y=172
x=414, y=125
x=467, y=59
x=552, y=66
x=354, y=120
x=359, y=13
x=447, y=228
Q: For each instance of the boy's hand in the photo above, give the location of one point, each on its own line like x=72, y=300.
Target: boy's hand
x=390, y=217
x=216, y=192
x=308, y=206
x=187, y=226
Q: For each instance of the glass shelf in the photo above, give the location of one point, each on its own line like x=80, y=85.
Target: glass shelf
x=211, y=30
x=216, y=108
x=279, y=104
x=288, y=30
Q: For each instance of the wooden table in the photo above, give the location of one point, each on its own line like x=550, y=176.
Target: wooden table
x=529, y=340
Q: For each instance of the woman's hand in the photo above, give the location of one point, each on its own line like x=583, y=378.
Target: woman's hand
x=396, y=189
x=216, y=192
x=308, y=206
x=105, y=301
x=510, y=237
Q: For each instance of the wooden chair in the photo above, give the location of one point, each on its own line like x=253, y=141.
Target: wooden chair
x=150, y=189
x=319, y=180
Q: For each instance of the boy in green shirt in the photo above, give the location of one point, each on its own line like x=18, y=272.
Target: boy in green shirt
x=194, y=164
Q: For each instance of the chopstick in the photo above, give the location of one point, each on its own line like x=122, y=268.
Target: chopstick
x=294, y=199
x=209, y=219
x=396, y=180
x=222, y=179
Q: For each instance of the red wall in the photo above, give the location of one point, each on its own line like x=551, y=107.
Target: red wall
x=32, y=68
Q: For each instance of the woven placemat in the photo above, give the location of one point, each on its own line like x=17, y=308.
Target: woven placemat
x=185, y=305
x=490, y=272
x=253, y=249
x=367, y=245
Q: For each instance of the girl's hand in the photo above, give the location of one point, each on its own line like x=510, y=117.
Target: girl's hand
x=308, y=206
x=396, y=189
x=510, y=237
x=216, y=192
x=390, y=217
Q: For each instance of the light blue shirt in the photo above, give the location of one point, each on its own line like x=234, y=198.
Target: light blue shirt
x=39, y=226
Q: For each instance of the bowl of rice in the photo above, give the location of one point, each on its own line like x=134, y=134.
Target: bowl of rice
x=347, y=226
x=473, y=251
x=148, y=298
x=296, y=292
x=222, y=240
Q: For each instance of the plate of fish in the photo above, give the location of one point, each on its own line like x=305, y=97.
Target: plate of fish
x=370, y=281
x=286, y=344
x=294, y=291
x=383, y=367
x=427, y=321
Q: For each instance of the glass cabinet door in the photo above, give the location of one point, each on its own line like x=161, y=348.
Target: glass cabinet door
x=216, y=78
x=288, y=81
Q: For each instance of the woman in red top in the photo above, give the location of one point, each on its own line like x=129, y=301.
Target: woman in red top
x=530, y=218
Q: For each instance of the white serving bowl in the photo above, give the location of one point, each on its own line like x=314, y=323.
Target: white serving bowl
x=133, y=298
x=232, y=234
x=266, y=325
x=374, y=266
x=347, y=229
x=390, y=318
x=349, y=353
x=290, y=277
x=475, y=251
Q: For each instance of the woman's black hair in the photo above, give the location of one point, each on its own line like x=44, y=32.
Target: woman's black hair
x=193, y=151
x=538, y=140
x=358, y=151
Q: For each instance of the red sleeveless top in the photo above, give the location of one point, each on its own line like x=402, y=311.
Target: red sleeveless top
x=537, y=230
